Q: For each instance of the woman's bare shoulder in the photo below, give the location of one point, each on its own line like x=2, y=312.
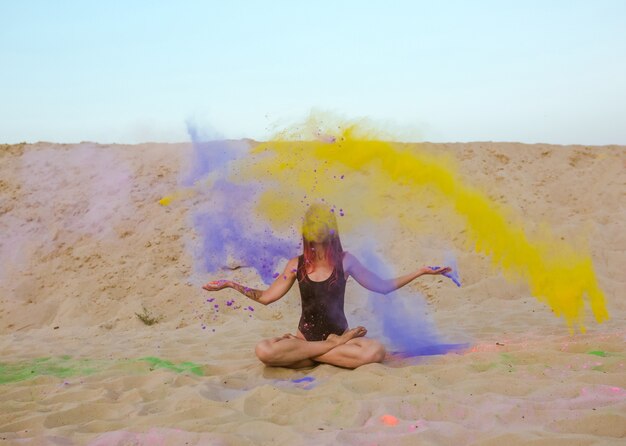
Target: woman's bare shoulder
x=348, y=260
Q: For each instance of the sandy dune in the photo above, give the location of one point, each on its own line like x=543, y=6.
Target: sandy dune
x=85, y=246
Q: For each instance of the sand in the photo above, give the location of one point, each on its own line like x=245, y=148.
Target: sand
x=85, y=247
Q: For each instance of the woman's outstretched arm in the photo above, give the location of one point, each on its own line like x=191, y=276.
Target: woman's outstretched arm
x=372, y=282
x=275, y=291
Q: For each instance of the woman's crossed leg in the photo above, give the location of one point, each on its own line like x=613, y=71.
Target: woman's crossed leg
x=349, y=350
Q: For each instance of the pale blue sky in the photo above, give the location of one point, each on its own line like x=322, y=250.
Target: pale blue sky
x=131, y=71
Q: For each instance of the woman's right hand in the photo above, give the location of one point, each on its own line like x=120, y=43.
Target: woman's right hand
x=216, y=285
x=436, y=269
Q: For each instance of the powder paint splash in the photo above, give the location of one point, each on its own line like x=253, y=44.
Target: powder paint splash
x=210, y=153
x=304, y=379
x=389, y=420
x=304, y=383
x=454, y=274
x=66, y=367
x=231, y=231
x=232, y=237
x=158, y=363
x=301, y=172
x=402, y=315
x=598, y=353
x=63, y=367
x=225, y=216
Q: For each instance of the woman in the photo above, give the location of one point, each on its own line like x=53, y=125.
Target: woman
x=322, y=271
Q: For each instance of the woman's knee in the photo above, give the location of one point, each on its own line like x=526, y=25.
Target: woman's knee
x=264, y=351
x=375, y=352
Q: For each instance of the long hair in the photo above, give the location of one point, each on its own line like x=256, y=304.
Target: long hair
x=320, y=226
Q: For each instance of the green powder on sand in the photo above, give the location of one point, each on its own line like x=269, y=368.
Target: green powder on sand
x=598, y=353
x=63, y=367
x=157, y=363
x=66, y=367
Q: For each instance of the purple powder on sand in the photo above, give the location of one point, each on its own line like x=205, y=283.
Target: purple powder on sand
x=303, y=379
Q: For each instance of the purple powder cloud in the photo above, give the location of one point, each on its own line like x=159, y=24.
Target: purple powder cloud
x=231, y=233
x=403, y=321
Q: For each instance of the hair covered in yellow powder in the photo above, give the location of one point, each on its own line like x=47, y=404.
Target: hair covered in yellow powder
x=319, y=224
x=320, y=236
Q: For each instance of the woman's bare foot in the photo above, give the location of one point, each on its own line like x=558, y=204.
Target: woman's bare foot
x=351, y=333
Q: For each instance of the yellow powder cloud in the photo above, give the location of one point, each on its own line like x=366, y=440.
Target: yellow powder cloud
x=349, y=168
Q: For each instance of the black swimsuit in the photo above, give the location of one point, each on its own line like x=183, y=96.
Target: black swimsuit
x=322, y=305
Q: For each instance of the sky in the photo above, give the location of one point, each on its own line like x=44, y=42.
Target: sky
x=446, y=71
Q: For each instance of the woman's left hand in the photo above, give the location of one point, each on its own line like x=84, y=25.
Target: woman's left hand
x=436, y=269
x=216, y=285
